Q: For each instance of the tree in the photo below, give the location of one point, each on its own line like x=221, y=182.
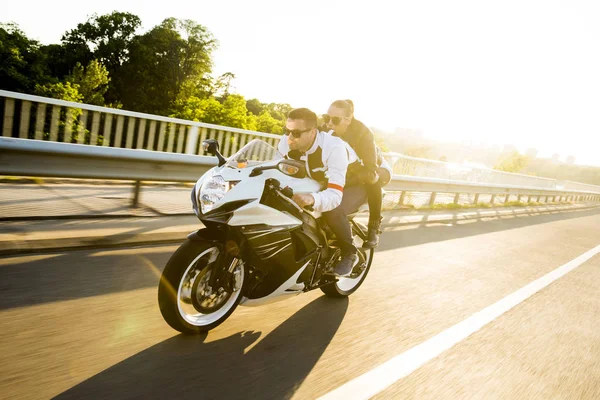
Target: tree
x=236, y=114
x=278, y=111
x=207, y=110
x=91, y=81
x=23, y=65
x=513, y=162
x=223, y=85
x=172, y=57
x=63, y=91
x=255, y=107
x=266, y=123
x=61, y=59
x=107, y=37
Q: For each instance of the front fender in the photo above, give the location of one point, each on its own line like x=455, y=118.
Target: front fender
x=207, y=235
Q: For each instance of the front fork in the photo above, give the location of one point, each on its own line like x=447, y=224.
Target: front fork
x=221, y=277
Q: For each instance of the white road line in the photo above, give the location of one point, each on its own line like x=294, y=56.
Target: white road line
x=385, y=375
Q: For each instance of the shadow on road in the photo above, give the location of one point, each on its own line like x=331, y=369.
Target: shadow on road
x=80, y=274
x=428, y=232
x=188, y=367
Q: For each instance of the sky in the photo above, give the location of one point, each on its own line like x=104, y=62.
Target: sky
x=525, y=73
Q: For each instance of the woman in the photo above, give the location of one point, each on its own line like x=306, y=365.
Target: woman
x=373, y=171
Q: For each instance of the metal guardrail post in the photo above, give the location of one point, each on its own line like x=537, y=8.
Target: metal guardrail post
x=432, y=199
x=492, y=199
x=9, y=110
x=476, y=199
x=136, y=194
x=402, y=196
x=192, y=142
x=456, y=198
x=506, y=197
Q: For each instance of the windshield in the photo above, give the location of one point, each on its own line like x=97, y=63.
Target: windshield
x=254, y=153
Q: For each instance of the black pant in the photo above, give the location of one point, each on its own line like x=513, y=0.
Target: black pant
x=374, y=195
x=354, y=197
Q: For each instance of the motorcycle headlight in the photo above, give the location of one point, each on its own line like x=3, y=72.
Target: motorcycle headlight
x=212, y=190
x=194, y=196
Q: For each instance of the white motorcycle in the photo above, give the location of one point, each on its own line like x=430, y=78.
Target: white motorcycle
x=257, y=246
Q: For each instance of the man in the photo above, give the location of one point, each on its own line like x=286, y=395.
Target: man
x=372, y=172
x=327, y=158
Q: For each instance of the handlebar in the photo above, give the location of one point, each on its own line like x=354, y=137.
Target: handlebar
x=286, y=194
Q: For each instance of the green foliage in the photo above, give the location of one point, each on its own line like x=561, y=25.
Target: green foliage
x=514, y=162
x=63, y=91
x=266, y=123
x=207, y=110
x=91, y=81
x=255, y=107
x=23, y=65
x=106, y=37
x=232, y=112
x=236, y=114
x=165, y=71
x=271, y=117
x=171, y=57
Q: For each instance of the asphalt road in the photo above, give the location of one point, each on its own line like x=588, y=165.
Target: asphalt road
x=85, y=324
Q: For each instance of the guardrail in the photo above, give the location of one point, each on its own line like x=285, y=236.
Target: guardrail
x=40, y=118
x=23, y=157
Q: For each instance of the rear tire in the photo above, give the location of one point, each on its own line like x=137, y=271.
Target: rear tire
x=183, y=291
x=344, y=287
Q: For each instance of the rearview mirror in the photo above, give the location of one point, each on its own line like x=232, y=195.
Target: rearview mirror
x=211, y=146
x=292, y=168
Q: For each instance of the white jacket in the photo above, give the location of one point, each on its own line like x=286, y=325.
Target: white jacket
x=329, y=167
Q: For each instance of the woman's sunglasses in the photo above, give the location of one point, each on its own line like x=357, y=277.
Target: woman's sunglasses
x=334, y=120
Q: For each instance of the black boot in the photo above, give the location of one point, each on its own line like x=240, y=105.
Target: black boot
x=373, y=234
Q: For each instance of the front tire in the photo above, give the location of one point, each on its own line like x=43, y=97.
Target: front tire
x=344, y=287
x=186, y=300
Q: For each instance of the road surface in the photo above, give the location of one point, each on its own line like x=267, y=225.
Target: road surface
x=85, y=324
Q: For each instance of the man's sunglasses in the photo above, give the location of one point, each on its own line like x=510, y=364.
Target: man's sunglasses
x=334, y=120
x=295, y=133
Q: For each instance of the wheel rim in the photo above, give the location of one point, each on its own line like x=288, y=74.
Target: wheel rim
x=347, y=284
x=196, y=302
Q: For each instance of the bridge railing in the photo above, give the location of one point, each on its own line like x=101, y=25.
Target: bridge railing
x=23, y=157
x=45, y=119
x=41, y=118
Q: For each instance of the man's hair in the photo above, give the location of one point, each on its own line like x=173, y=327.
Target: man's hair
x=346, y=105
x=304, y=114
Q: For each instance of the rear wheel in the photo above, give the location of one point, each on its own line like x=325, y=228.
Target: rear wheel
x=346, y=286
x=186, y=299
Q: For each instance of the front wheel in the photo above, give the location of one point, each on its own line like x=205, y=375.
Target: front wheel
x=187, y=301
x=346, y=286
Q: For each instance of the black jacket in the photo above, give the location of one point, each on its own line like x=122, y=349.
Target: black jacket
x=362, y=140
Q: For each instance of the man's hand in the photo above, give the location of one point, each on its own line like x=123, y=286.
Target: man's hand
x=303, y=199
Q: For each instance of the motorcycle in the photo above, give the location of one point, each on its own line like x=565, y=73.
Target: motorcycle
x=257, y=245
